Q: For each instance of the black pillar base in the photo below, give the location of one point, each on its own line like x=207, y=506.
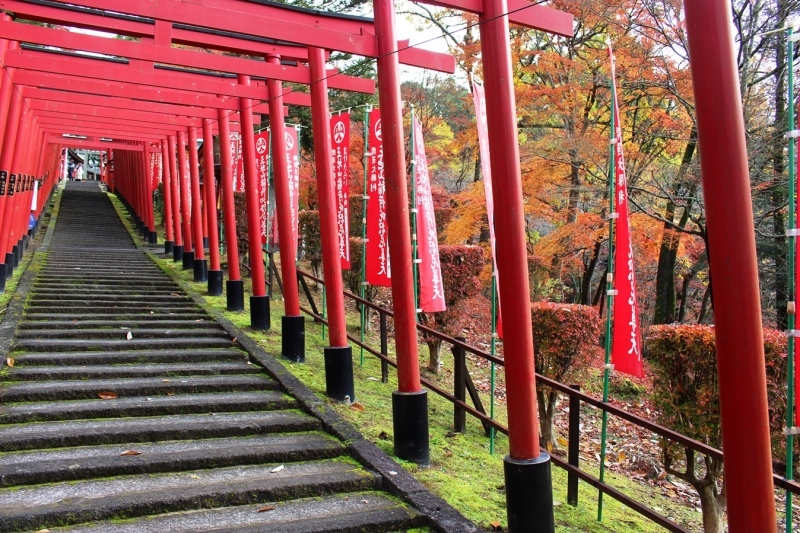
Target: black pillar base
x=235, y=290
x=339, y=373
x=259, y=312
x=529, y=494
x=2, y=277
x=215, y=282
x=200, y=270
x=9, y=265
x=152, y=237
x=293, y=339
x=410, y=422
x=26, y=240
x=17, y=253
x=168, y=247
x=188, y=260
x=177, y=253
x=205, y=243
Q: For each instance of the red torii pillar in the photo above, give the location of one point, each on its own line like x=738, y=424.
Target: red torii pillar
x=734, y=267
x=177, y=249
x=234, y=287
x=16, y=179
x=152, y=236
x=169, y=237
x=410, y=401
x=259, y=301
x=293, y=340
x=183, y=185
x=209, y=182
x=200, y=265
x=6, y=185
x=339, y=355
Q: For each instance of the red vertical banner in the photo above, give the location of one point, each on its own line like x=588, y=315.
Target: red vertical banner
x=293, y=162
x=262, y=166
x=479, y=97
x=379, y=272
x=156, y=169
x=237, y=161
x=431, y=290
x=340, y=154
x=626, y=351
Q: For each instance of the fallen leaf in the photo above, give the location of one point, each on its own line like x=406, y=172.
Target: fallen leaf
x=357, y=406
x=392, y=473
x=277, y=469
x=107, y=395
x=621, y=457
x=10, y=362
x=43, y=531
x=495, y=525
x=165, y=381
x=266, y=508
x=129, y=336
x=130, y=452
x=233, y=339
x=170, y=394
x=562, y=441
x=194, y=477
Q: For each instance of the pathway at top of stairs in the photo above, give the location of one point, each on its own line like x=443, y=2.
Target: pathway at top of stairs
x=195, y=435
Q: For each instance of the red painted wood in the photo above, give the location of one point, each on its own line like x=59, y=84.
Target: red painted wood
x=228, y=210
x=176, y=200
x=405, y=318
x=197, y=200
x=210, y=196
x=167, y=180
x=72, y=143
x=288, y=245
x=183, y=187
x=520, y=13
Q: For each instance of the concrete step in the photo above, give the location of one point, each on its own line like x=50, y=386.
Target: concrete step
x=227, y=402
x=128, y=357
x=88, y=389
x=31, y=436
x=112, y=323
x=120, y=314
x=130, y=496
x=44, y=373
x=87, y=462
x=342, y=513
x=68, y=300
x=68, y=345
x=121, y=333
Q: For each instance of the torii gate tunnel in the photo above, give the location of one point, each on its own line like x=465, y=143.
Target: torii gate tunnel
x=132, y=98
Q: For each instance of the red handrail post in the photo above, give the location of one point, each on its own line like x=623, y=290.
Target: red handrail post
x=734, y=267
x=410, y=401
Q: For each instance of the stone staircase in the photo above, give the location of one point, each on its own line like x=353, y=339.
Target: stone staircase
x=130, y=409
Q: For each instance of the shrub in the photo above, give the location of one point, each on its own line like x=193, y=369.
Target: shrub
x=564, y=337
x=461, y=266
x=240, y=208
x=686, y=392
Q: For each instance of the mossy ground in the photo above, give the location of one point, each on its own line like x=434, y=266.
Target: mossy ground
x=463, y=471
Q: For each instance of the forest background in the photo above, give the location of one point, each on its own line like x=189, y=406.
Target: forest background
x=563, y=108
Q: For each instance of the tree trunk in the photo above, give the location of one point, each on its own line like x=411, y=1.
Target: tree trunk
x=435, y=350
x=574, y=186
x=586, y=283
x=713, y=506
x=547, y=410
x=664, y=312
x=778, y=196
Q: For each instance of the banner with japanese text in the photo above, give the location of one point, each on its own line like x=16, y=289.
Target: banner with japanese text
x=293, y=162
x=262, y=167
x=626, y=352
x=237, y=161
x=431, y=290
x=479, y=97
x=340, y=154
x=156, y=169
x=379, y=271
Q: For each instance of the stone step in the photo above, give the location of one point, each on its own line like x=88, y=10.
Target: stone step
x=127, y=357
x=67, y=345
x=110, y=291
x=88, y=389
x=76, y=300
x=230, y=402
x=341, y=513
x=112, y=323
x=87, y=462
x=121, y=333
x=130, y=496
x=44, y=373
x=36, y=435
x=53, y=281
x=120, y=314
